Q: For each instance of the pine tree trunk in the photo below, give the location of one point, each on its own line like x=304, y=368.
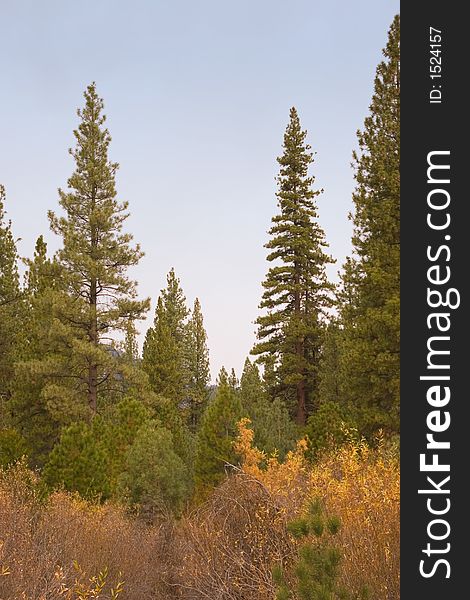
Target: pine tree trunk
x=92, y=388
x=301, y=415
x=93, y=367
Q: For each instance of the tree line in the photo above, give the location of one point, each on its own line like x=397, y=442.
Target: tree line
x=97, y=416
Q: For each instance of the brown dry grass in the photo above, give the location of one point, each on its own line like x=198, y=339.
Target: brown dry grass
x=224, y=550
x=362, y=487
x=359, y=485
x=228, y=546
x=39, y=544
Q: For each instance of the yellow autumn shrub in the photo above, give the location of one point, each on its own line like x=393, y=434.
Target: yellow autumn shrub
x=286, y=480
x=358, y=484
x=225, y=549
x=362, y=487
x=64, y=548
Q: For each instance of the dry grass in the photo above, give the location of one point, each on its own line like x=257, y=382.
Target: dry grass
x=42, y=546
x=228, y=546
x=359, y=485
x=363, y=489
x=66, y=548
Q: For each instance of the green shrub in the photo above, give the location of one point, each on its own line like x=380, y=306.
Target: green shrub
x=327, y=426
x=79, y=462
x=155, y=477
x=314, y=575
x=12, y=447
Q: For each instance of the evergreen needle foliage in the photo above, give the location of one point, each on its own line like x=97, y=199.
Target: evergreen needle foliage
x=370, y=295
x=31, y=414
x=163, y=354
x=90, y=429
x=297, y=293
x=215, y=438
x=274, y=431
x=196, y=366
x=9, y=302
x=98, y=298
x=154, y=477
x=316, y=572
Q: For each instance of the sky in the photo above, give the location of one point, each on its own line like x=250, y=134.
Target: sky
x=197, y=97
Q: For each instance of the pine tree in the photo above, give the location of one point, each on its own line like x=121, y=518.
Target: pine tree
x=161, y=357
x=163, y=354
x=79, y=462
x=100, y=299
x=155, y=477
x=175, y=306
x=273, y=429
x=31, y=415
x=296, y=294
x=218, y=431
x=370, y=292
x=251, y=385
x=184, y=439
x=197, y=366
x=328, y=427
x=130, y=345
x=223, y=378
x=316, y=573
x=10, y=306
x=13, y=447
x=233, y=380
x=35, y=281
x=118, y=432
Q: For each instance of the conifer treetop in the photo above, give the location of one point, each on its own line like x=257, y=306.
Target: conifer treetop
x=96, y=253
x=297, y=294
x=9, y=278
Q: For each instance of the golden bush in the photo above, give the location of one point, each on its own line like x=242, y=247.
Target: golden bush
x=359, y=485
x=226, y=548
x=42, y=542
x=362, y=487
x=63, y=547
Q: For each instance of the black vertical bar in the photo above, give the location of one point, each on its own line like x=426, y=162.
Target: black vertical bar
x=434, y=118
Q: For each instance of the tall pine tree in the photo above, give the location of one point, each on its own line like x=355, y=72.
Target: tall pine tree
x=233, y=380
x=9, y=305
x=43, y=280
x=297, y=293
x=100, y=299
x=370, y=300
x=197, y=366
x=214, y=444
x=163, y=353
x=130, y=346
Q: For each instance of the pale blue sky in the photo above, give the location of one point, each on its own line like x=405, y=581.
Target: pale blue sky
x=197, y=95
